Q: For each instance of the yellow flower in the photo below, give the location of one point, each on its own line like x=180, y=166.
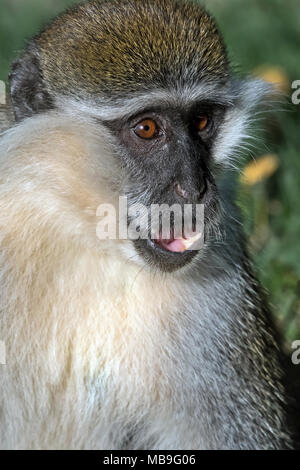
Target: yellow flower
x=275, y=75
x=259, y=170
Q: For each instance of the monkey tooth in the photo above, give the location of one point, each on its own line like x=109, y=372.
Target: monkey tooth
x=189, y=242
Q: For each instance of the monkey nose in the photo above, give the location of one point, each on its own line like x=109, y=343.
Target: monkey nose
x=180, y=191
x=190, y=195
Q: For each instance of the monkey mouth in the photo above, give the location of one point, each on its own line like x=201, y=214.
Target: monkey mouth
x=169, y=254
x=179, y=244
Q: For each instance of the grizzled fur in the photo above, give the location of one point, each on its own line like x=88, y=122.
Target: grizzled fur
x=116, y=48
x=107, y=347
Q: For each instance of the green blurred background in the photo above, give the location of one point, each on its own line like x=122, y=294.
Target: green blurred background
x=259, y=33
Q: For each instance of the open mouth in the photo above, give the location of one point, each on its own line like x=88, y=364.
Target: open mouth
x=169, y=254
x=179, y=245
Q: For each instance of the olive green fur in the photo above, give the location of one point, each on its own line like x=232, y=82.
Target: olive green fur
x=125, y=46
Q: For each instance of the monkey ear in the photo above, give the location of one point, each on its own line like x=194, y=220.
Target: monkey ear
x=27, y=88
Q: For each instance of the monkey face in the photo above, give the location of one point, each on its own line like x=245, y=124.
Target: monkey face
x=166, y=156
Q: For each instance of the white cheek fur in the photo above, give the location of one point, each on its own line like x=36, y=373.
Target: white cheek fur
x=235, y=132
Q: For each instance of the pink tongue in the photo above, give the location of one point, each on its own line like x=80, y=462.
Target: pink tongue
x=176, y=246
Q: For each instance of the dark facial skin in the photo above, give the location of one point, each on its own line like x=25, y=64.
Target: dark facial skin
x=167, y=154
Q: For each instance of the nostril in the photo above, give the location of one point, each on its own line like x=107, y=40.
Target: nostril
x=180, y=191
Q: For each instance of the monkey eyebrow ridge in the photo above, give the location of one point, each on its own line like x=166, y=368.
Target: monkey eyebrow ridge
x=108, y=109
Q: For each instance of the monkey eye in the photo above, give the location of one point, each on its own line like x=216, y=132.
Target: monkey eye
x=146, y=129
x=201, y=122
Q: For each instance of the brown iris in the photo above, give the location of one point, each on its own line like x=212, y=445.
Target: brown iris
x=146, y=129
x=201, y=122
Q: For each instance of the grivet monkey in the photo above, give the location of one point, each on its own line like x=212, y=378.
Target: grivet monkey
x=131, y=344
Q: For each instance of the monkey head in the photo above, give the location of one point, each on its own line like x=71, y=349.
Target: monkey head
x=155, y=74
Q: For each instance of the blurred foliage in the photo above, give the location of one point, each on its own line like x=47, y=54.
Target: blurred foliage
x=261, y=35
